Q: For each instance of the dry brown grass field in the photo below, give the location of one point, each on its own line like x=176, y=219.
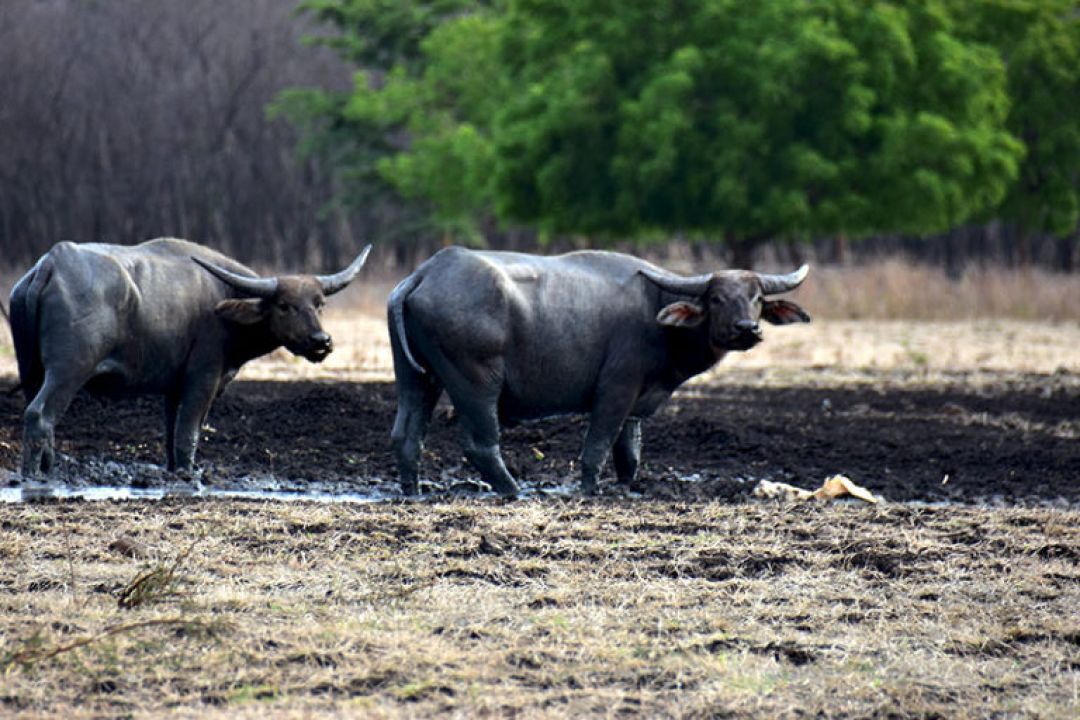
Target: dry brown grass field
x=680, y=600
x=557, y=608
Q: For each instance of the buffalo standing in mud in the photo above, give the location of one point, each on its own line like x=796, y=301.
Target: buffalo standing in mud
x=166, y=317
x=513, y=337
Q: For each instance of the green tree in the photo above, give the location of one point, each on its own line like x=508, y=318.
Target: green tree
x=1039, y=41
x=444, y=108
x=366, y=132
x=750, y=120
x=639, y=118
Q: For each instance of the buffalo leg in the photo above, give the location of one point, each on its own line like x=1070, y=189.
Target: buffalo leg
x=417, y=397
x=191, y=411
x=605, y=423
x=475, y=394
x=480, y=438
x=626, y=453
x=39, y=420
x=172, y=405
x=486, y=457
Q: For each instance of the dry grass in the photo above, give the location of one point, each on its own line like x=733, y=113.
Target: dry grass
x=887, y=316
x=898, y=290
x=844, y=346
x=362, y=351
x=544, y=609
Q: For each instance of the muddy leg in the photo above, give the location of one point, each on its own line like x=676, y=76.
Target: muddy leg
x=626, y=453
x=172, y=404
x=39, y=420
x=197, y=395
x=480, y=439
x=605, y=423
x=416, y=402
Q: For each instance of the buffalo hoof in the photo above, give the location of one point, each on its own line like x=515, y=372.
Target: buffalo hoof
x=590, y=489
x=507, y=490
x=192, y=476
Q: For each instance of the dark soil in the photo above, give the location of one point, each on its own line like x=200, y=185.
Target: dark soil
x=1013, y=440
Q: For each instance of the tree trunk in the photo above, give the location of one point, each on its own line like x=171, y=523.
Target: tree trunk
x=1023, y=248
x=841, y=251
x=741, y=251
x=1068, y=249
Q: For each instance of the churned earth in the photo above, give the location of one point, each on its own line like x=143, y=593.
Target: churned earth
x=973, y=438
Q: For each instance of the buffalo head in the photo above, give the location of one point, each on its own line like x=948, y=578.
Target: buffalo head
x=732, y=302
x=289, y=305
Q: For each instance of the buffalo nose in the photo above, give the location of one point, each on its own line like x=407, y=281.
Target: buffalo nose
x=747, y=327
x=321, y=340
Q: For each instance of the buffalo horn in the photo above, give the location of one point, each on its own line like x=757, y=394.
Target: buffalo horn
x=777, y=284
x=332, y=283
x=254, y=286
x=677, y=283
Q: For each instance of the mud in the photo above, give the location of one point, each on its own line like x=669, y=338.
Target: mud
x=1012, y=440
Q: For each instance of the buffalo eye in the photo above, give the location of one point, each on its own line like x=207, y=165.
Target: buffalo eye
x=715, y=300
x=283, y=306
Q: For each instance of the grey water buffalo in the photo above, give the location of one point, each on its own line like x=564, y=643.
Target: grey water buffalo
x=167, y=317
x=513, y=337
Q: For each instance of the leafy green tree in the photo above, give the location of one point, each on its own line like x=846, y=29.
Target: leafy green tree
x=639, y=118
x=751, y=120
x=445, y=111
x=1039, y=41
x=366, y=131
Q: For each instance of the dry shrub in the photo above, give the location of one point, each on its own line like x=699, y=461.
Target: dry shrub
x=154, y=584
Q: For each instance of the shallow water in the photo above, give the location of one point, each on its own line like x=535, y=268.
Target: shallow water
x=32, y=494
x=256, y=489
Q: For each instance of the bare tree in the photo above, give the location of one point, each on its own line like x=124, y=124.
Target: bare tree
x=131, y=119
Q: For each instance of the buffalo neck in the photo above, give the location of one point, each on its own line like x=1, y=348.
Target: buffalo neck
x=247, y=342
x=689, y=351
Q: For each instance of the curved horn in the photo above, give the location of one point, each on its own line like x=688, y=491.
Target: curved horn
x=254, y=286
x=677, y=283
x=333, y=283
x=776, y=284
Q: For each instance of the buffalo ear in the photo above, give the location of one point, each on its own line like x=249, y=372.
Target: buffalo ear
x=242, y=312
x=681, y=314
x=782, y=312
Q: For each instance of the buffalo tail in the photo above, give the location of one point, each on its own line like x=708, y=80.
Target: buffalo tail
x=396, y=308
x=24, y=323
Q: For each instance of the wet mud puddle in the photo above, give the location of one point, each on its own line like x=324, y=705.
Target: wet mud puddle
x=1008, y=440
x=105, y=493
x=109, y=480
x=38, y=493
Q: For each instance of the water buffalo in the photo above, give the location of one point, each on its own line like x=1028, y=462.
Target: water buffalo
x=167, y=317
x=512, y=337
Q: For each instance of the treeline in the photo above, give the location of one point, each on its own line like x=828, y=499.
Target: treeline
x=713, y=120
x=945, y=129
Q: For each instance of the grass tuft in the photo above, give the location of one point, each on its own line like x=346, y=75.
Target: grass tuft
x=153, y=585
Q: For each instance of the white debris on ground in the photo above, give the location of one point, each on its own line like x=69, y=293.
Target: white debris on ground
x=834, y=487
